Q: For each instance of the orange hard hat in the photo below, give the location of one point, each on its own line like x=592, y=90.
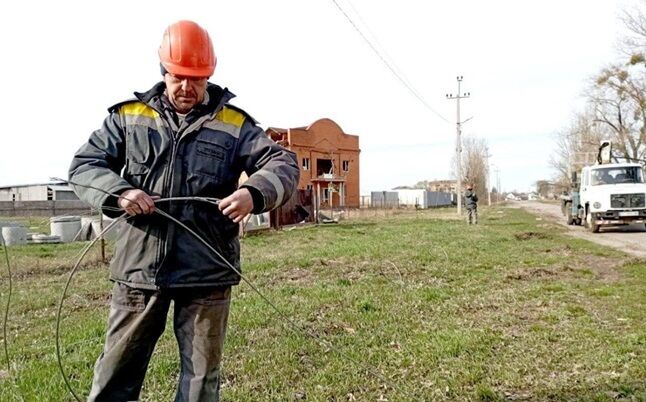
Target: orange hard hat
x=186, y=50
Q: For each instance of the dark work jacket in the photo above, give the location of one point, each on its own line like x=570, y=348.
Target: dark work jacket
x=141, y=146
x=470, y=200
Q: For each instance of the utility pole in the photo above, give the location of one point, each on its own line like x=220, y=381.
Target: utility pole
x=499, y=191
x=458, y=147
x=488, y=180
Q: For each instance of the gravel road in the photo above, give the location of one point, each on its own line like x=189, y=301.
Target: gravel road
x=630, y=239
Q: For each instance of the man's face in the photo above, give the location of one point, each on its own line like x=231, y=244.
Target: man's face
x=185, y=92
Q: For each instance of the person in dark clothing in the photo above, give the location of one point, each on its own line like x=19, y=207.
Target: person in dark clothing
x=180, y=139
x=471, y=203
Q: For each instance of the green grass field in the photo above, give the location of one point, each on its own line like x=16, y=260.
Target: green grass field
x=509, y=310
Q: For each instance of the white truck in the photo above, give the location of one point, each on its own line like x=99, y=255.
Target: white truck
x=609, y=194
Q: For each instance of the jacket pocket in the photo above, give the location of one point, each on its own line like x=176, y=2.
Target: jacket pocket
x=135, y=168
x=127, y=298
x=210, y=159
x=138, y=146
x=136, y=173
x=211, y=150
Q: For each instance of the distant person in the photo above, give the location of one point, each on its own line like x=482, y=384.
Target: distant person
x=471, y=203
x=181, y=138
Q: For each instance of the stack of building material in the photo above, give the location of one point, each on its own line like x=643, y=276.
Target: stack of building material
x=39, y=238
x=66, y=227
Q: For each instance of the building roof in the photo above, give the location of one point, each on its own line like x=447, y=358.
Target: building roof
x=284, y=130
x=57, y=183
x=63, y=187
x=306, y=128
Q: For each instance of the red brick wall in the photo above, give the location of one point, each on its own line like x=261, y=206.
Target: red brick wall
x=324, y=139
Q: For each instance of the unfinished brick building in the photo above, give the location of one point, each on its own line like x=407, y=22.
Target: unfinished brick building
x=329, y=161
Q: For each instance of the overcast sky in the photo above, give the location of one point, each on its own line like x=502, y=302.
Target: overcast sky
x=525, y=63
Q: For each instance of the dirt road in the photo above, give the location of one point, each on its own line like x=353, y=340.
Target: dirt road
x=630, y=239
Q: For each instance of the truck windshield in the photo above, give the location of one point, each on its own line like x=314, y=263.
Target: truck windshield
x=617, y=175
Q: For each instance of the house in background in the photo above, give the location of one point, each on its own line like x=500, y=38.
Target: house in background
x=38, y=192
x=443, y=186
x=329, y=161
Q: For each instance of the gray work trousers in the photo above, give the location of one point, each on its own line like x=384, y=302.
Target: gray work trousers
x=136, y=321
x=472, y=215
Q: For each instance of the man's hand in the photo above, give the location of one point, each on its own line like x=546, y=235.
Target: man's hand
x=237, y=205
x=136, y=202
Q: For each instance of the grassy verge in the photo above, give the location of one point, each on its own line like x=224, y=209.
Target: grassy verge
x=510, y=309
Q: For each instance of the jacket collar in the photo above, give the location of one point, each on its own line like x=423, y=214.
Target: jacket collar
x=217, y=97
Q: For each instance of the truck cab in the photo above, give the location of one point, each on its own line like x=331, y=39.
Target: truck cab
x=612, y=194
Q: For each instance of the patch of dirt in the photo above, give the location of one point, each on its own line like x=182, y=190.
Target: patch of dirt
x=103, y=298
x=531, y=235
x=338, y=329
x=38, y=270
x=531, y=273
x=296, y=276
x=564, y=250
x=605, y=269
x=549, y=226
x=600, y=268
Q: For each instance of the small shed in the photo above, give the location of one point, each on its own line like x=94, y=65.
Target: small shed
x=55, y=191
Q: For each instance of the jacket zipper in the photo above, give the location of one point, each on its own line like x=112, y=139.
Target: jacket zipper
x=169, y=184
x=163, y=244
x=166, y=192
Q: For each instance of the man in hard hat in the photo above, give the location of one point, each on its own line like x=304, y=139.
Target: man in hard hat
x=471, y=203
x=180, y=138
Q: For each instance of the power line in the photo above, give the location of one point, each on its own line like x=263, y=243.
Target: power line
x=375, y=40
x=390, y=67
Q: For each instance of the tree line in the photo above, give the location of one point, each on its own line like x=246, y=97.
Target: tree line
x=615, y=108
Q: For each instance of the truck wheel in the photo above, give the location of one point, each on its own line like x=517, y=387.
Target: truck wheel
x=592, y=227
x=568, y=214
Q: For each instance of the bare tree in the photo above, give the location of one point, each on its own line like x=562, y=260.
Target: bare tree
x=616, y=108
x=618, y=93
x=474, y=164
x=618, y=98
x=576, y=146
x=634, y=43
x=544, y=188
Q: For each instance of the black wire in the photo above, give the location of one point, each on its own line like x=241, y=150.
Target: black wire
x=293, y=326
x=392, y=70
x=5, y=318
x=60, y=305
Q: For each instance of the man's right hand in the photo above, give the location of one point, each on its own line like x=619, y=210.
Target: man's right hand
x=136, y=202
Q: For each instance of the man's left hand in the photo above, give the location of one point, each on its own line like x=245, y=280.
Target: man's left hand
x=237, y=205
